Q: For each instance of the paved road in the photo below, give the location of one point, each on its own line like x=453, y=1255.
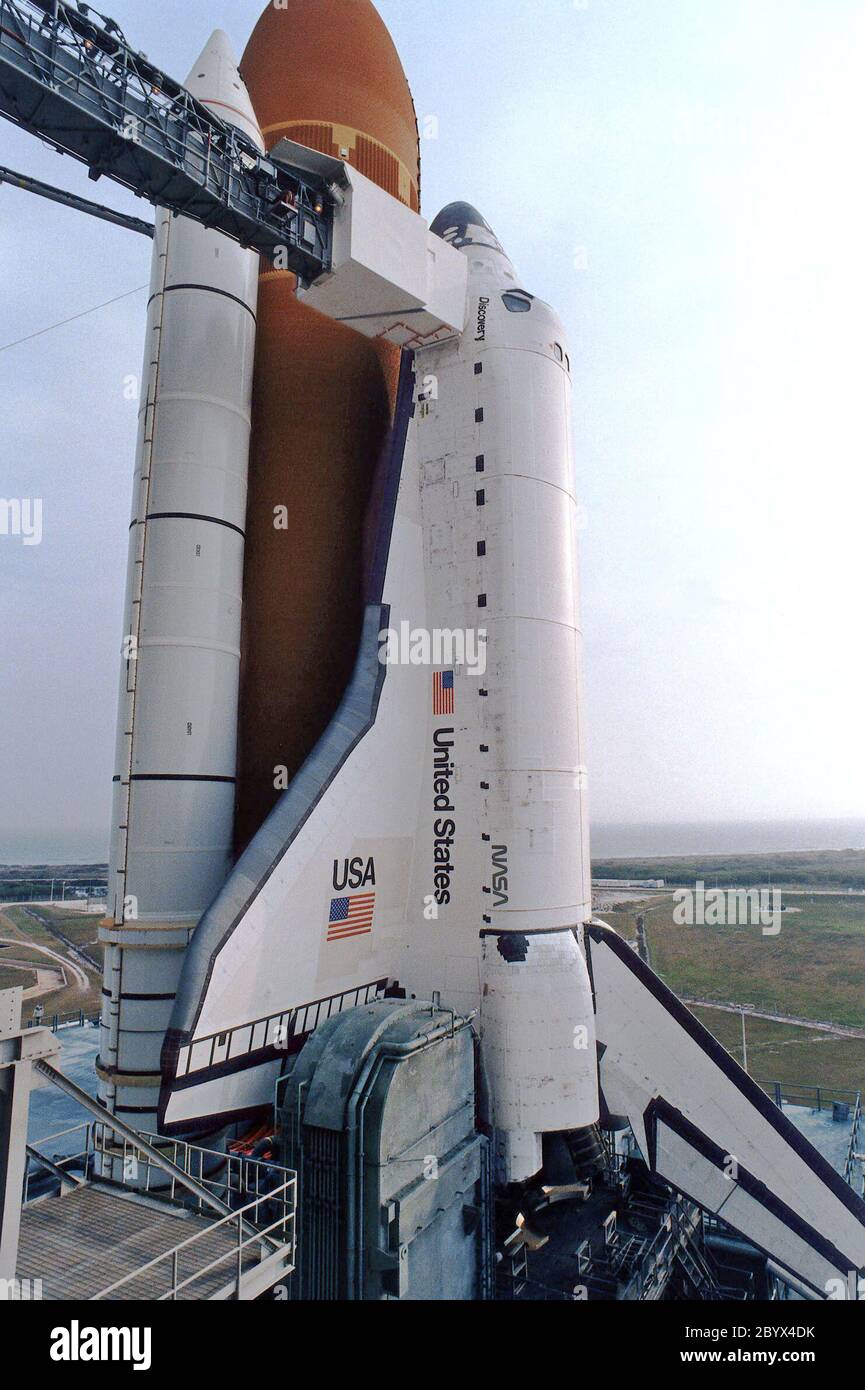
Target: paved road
x=841, y=1030
x=81, y=980
x=48, y=978
x=76, y=951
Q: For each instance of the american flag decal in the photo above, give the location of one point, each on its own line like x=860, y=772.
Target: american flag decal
x=443, y=692
x=350, y=917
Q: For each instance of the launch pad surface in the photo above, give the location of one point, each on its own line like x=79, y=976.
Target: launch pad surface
x=80, y=1245
x=122, y=1219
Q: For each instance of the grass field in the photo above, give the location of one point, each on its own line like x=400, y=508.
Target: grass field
x=814, y=968
x=16, y=925
x=80, y=928
x=840, y=869
x=793, y=1056
x=9, y=979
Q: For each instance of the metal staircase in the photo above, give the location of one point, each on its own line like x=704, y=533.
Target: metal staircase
x=696, y=1268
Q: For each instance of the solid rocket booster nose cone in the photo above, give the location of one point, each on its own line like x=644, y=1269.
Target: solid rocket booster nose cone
x=215, y=80
x=216, y=55
x=328, y=76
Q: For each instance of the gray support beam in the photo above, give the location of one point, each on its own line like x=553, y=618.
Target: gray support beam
x=68, y=1181
x=117, y=1126
x=150, y=1151
x=70, y=78
x=14, y=1110
x=19, y=1052
x=71, y=200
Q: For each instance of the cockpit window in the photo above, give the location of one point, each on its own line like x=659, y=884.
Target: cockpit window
x=517, y=302
x=560, y=356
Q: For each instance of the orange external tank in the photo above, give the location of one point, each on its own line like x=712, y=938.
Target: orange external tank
x=326, y=74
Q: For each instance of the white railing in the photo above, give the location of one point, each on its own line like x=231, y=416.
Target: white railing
x=247, y=1189
x=853, y=1156
x=78, y=1159
x=276, y=1243
x=233, y=1178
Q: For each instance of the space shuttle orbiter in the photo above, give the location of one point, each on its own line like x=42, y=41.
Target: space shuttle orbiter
x=436, y=838
x=433, y=837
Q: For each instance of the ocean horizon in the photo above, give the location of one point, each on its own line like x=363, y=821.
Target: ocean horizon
x=662, y=840
x=649, y=840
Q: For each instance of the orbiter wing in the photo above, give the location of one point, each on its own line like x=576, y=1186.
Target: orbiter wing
x=709, y=1131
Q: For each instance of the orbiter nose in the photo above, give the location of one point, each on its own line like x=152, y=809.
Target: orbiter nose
x=460, y=224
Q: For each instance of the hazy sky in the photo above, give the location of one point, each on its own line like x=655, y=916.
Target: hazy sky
x=682, y=180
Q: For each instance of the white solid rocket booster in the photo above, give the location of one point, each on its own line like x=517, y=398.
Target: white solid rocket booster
x=177, y=730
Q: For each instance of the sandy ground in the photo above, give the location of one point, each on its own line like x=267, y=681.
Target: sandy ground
x=48, y=977
x=81, y=982
x=621, y=897
x=86, y=906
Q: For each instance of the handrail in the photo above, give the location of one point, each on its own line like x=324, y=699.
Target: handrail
x=82, y=88
x=60, y=1162
x=258, y=1236
x=800, y=1093
x=222, y=1172
x=188, y=1168
x=671, y=1235
x=287, y=1246
x=114, y=1123
x=238, y=1172
x=275, y=1039
x=63, y=1133
x=850, y=1160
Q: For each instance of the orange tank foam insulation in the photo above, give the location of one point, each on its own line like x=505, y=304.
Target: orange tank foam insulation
x=328, y=75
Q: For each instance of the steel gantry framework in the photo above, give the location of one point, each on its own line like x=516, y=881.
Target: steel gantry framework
x=68, y=76
x=71, y=200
